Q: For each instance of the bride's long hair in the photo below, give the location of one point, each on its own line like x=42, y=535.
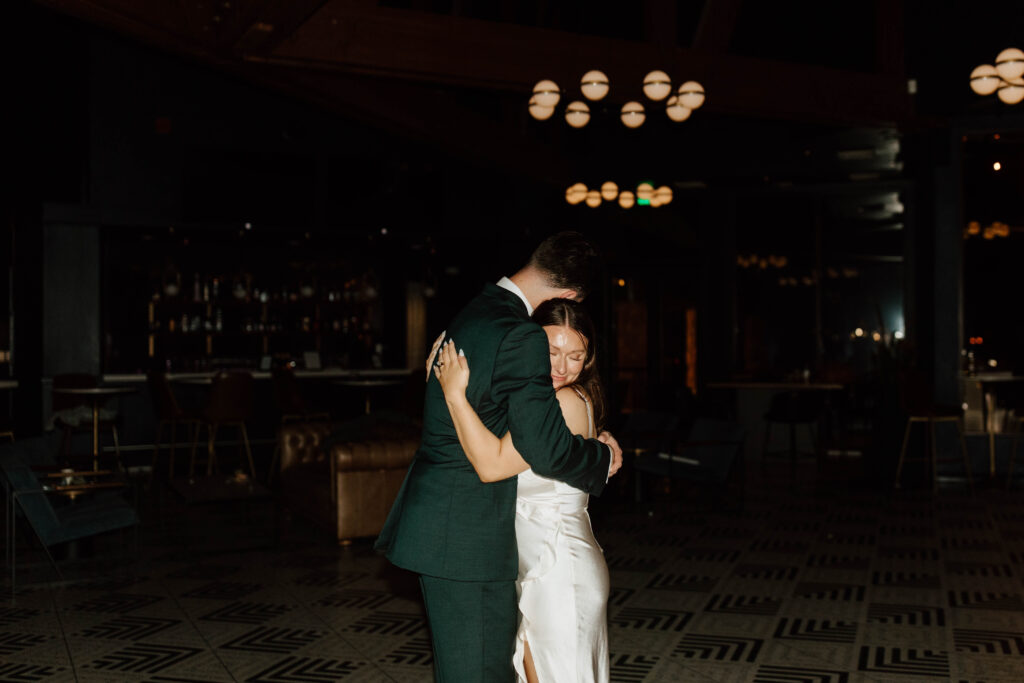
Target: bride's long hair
x=561, y=312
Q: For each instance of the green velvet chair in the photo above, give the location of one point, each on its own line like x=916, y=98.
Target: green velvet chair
x=28, y=499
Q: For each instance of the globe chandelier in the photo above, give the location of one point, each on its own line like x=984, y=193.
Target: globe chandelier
x=1006, y=78
x=644, y=195
x=594, y=86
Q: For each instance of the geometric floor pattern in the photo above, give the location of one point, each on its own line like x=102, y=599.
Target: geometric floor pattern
x=799, y=583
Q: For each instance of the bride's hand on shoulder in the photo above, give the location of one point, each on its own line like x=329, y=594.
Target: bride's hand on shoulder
x=452, y=371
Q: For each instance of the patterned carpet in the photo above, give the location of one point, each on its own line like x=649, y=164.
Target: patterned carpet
x=802, y=582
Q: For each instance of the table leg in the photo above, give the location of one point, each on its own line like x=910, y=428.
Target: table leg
x=95, y=435
x=991, y=455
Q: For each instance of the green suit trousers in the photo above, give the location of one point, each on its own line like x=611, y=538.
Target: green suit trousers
x=473, y=636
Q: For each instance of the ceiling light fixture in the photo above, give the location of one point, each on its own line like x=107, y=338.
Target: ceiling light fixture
x=1006, y=78
x=594, y=86
x=645, y=195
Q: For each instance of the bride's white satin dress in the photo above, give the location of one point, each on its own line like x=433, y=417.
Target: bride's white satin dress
x=562, y=586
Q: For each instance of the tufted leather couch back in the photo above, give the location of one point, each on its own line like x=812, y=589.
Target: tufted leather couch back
x=351, y=488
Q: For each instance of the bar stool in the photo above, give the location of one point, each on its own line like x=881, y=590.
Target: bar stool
x=917, y=403
x=167, y=412
x=229, y=405
x=792, y=408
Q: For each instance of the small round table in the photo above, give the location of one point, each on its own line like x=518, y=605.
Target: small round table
x=367, y=385
x=96, y=395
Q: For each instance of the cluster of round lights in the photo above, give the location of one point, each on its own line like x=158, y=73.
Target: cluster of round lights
x=996, y=229
x=646, y=195
x=594, y=86
x=1006, y=78
x=753, y=261
x=860, y=333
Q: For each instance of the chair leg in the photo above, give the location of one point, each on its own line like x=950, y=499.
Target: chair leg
x=248, y=450
x=11, y=537
x=117, y=447
x=174, y=444
x=792, y=444
x=192, y=451
x=274, y=457
x=1013, y=457
x=156, y=448
x=211, y=453
x=53, y=562
x=13, y=541
x=931, y=452
x=967, y=460
x=903, y=452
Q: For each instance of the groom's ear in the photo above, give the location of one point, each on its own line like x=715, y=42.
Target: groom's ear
x=566, y=294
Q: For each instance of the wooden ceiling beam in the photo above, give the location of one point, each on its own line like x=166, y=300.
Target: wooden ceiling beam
x=164, y=24
x=423, y=113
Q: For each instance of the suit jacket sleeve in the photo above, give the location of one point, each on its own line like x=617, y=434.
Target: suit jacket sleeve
x=522, y=379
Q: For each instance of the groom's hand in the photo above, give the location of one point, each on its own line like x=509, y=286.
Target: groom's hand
x=606, y=437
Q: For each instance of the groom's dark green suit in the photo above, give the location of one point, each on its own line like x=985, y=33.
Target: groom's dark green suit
x=459, y=533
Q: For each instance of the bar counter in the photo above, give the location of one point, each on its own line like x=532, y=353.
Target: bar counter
x=321, y=388
x=326, y=373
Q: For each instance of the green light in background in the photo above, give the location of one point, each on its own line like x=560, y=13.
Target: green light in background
x=643, y=202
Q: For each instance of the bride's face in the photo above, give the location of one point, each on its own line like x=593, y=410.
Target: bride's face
x=568, y=352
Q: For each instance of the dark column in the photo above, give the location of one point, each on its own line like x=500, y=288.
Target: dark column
x=947, y=276
x=71, y=299
x=716, y=312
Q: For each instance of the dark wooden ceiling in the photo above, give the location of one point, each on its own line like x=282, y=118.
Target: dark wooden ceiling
x=457, y=73
x=320, y=39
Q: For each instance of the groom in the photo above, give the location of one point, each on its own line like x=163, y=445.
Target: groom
x=446, y=525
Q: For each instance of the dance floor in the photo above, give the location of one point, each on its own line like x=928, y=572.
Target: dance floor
x=804, y=582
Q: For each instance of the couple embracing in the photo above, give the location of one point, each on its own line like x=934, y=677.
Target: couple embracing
x=514, y=584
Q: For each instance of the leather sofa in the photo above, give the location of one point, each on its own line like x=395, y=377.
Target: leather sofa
x=347, y=486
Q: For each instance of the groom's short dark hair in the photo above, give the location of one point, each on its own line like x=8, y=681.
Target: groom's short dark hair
x=569, y=261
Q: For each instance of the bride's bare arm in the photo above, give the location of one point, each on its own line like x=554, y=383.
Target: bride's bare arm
x=493, y=459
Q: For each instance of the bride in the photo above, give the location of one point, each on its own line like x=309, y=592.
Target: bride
x=563, y=579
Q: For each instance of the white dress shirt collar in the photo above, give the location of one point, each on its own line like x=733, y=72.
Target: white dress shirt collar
x=505, y=283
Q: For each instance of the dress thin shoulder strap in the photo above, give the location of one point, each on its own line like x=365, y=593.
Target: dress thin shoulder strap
x=590, y=413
